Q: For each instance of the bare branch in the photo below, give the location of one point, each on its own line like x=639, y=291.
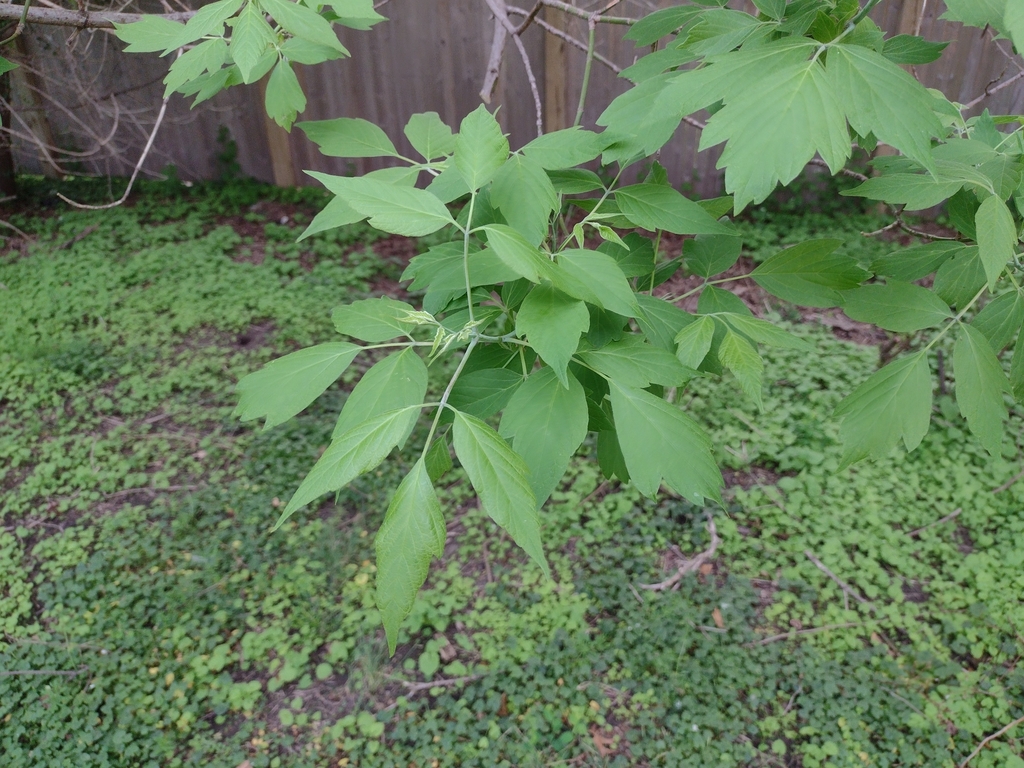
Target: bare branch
x=500, y=11
x=494, y=62
x=81, y=19
x=568, y=38
x=847, y=589
x=990, y=89
x=987, y=739
x=690, y=565
x=135, y=173
x=940, y=521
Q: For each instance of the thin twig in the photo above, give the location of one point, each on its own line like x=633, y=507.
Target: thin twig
x=591, y=43
x=8, y=224
x=21, y=24
x=989, y=90
x=415, y=688
x=987, y=739
x=529, y=18
x=794, y=632
x=135, y=173
x=494, y=61
x=47, y=672
x=500, y=11
x=845, y=587
x=552, y=30
x=62, y=17
x=1009, y=482
x=946, y=519
x=690, y=565
x=572, y=10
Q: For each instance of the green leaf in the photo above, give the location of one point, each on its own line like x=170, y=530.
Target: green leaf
x=763, y=332
x=980, y=383
x=391, y=207
x=635, y=363
x=412, y=534
x=208, y=56
x=896, y=306
x=907, y=49
x=349, y=455
x=909, y=264
x=739, y=356
x=609, y=456
x=881, y=99
x=564, y=149
x=547, y=422
x=661, y=321
x=373, y=320
x=773, y=131
x=976, y=13
x=1017, y=370
x=655, y=26
x=284, y=97
x=660, y=443
x=895, y=403
x=285, y=386
x=518, y=253
x=301, y=51
x=574, y=181
x=1000, y=319
x=438, y=459
x=336, y=213
x=553, y=322
x=251, y=36
x=356, y=14
x=714, y=300
x=429, y=135
x=485, y=392
x=449, y=184
x=809, y=274
x=1013, y=22
x=656, y=206
x=710, y=255
x=148, y=35
x=694, y=341
x=397, y=381
x=774, y=9
x=499, y=476
x=304, y=23
x=481, y=148
x=997, y=237
x=523, y=193
x=349, y=137
x=208, y=20
x=915, y=191
x=6, y=66
x=960, y=278
x=597, y=278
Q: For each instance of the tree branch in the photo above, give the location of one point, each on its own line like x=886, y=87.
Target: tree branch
x=81, y=19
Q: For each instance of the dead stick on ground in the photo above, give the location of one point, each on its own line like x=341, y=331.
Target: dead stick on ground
x=418, y=687
x=1009, y=482
x=987, y=739
x=845, y=587
x=945, y=519
x=691, y=565
x=794, y=632
x=47, y=672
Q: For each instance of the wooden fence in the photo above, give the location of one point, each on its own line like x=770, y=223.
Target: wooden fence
x=431, y=55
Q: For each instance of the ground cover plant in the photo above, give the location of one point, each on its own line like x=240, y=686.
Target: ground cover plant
x=152, y=618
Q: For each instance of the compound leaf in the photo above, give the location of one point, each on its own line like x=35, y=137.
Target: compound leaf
x=500, y=477
x=980, y=383
x=412, y=534
x=285, y=386
x=660, y=443
x=896, y=306
x=481, y=148
x=810, y=274
x=351, y=454
x=657, y=206
x=553, y=322
x=397, y=381
x=349, y=137
x=894, y=403
x=547, y=422
x=373, y=320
